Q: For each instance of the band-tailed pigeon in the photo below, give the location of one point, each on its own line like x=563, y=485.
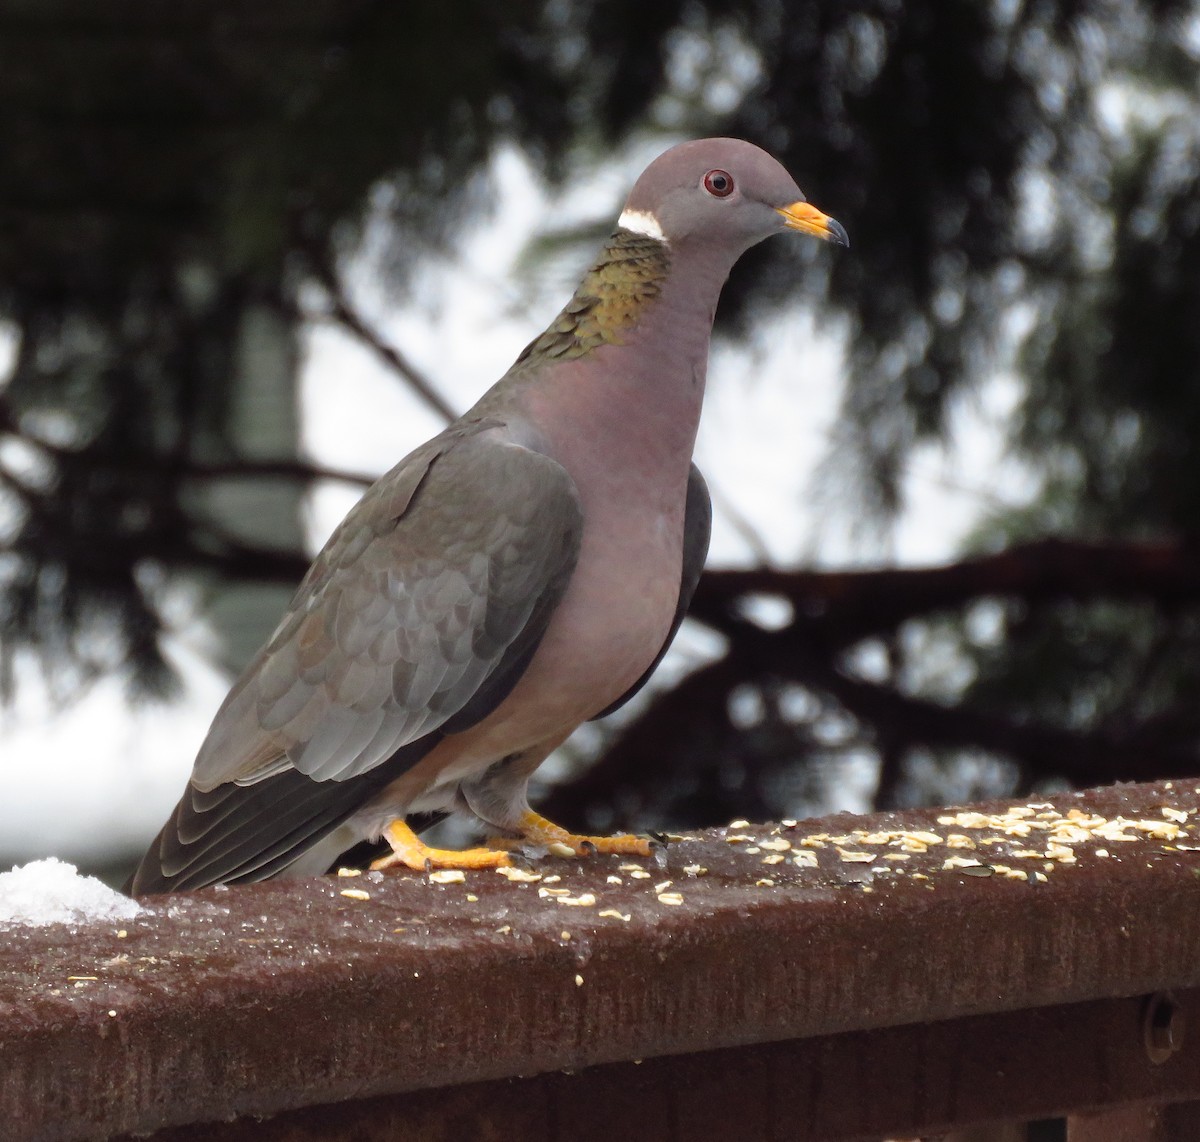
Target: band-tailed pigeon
x=520, y=573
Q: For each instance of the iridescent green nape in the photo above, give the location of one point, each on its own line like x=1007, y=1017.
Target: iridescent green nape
x=628, y=274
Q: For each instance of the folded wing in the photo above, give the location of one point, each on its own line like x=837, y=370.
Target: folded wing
x=417, y=619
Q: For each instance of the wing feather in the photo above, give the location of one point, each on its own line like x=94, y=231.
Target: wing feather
x=414, y=624
x=416, y=620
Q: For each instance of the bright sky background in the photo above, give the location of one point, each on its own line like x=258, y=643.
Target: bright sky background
x=102, y=778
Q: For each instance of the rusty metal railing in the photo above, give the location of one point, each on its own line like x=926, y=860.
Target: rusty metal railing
x=842, y=978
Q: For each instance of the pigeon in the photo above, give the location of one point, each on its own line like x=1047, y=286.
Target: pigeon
x=519, y=574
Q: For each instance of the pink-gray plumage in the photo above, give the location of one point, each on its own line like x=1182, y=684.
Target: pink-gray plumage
x=522, y=572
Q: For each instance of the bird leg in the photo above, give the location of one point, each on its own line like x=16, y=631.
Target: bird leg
x=536, y=830
x=409, y=851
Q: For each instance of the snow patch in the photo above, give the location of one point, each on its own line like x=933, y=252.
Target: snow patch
x=52, y=892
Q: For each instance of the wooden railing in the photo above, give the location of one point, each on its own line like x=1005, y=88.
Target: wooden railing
x=842, y=978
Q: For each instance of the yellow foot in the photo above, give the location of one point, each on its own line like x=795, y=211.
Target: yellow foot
x=409, y=851
x=536, y=830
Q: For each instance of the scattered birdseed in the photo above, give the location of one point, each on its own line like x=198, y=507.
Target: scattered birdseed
x=579, y=981
x=788, y=823
x=555, y=892
x=551, y=879
x=613, y=880
x=504, y=931
x=1166, y=831
x=583, y=900
x=738, y=839
x=1102, y=852
x=558, y=849
x=852, y=857
x=776, y=845
x=739, y=824
x=897, y=856
x=520, y=875
x=960, y=862
x=774, y=858
x=612, y=913
x=959, y=819
x=630, y=867
x=753, y=850
x=764, y=883
x=805, y=859
x=472, y=898
x=1176, y=815
x=1011, y=873
x=959, y=841
x=695, y=870
x=447, y=876
x=349, y=872
x=122, y=934
x=358, y=893
x=884, y=838
x=639, y=874
x=1067, y=834
x=670, y=898
x=564, y=935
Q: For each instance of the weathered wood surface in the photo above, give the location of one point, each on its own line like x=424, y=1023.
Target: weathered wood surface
x=852, y=997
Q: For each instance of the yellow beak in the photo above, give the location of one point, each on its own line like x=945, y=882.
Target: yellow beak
x=806, y=218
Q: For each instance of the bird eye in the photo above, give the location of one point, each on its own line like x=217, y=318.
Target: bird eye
x=719, y=183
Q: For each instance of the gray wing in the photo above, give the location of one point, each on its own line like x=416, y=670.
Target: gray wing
x=697, y=530
x=416, y=620
x=418, y=609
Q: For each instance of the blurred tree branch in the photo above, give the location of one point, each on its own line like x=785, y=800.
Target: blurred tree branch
x=170, y=175
x=835, y=610
x=345, y=315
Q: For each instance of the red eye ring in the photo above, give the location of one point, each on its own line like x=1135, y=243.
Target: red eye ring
x=719, y=183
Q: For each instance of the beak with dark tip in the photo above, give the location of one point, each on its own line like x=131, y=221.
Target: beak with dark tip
x=806, y=218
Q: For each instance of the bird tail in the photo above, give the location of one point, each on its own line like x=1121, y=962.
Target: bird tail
x=239, y=833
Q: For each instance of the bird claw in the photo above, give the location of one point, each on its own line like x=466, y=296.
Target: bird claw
x=409, y=851
x=539, y=837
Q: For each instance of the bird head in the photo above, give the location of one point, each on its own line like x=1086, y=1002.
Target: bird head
x=726, y=190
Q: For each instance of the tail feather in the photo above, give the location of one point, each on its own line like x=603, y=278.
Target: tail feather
x=238, y=833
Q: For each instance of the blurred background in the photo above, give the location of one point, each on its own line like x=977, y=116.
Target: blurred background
x=250, y=255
